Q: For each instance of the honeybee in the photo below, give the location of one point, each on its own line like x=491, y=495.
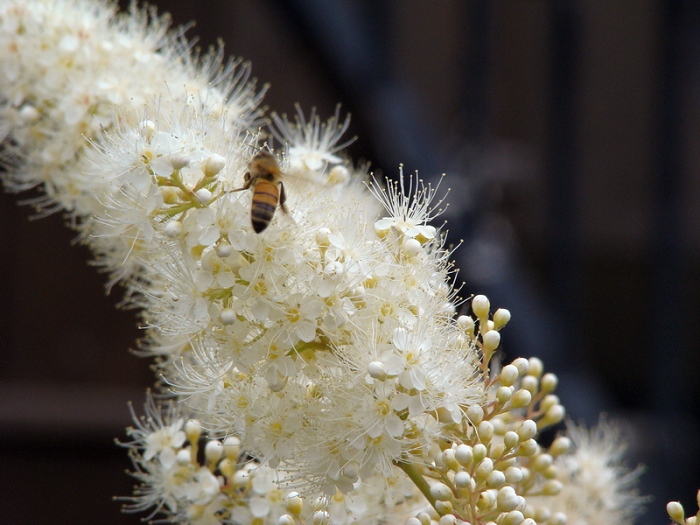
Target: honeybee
x=265, y=178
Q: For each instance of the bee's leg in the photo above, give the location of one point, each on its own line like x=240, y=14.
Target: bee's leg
x=248, y=180
x=283, y=198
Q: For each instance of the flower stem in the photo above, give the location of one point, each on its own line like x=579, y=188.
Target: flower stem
x=418, y=480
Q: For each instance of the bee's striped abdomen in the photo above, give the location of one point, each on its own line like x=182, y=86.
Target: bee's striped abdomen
x=265, y=199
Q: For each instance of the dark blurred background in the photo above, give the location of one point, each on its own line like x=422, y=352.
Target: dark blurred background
x=569, y=134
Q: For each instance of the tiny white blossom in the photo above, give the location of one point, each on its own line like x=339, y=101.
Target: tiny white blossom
x=311, y=145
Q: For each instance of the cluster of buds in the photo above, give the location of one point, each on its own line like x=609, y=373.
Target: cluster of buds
x=188, y=477
x=677, y=513
x=488, y=468
x=191, y=478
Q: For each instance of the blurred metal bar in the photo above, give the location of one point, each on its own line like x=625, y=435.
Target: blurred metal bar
x=669, y=299
x=673, y=471
x=562, y=173
x=476, y=71
x=348, y=37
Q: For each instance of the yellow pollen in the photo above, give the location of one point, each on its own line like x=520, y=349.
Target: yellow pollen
x=260, y=288
x=293, y=315
x=146, y=156
x=276, y=428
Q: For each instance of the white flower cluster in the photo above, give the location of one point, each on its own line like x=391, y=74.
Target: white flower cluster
x=323, y=352
x=200, y=481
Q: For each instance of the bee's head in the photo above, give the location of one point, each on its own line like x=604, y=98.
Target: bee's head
x=264, y=161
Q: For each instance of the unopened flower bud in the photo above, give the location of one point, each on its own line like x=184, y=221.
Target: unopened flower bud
x=338, y=175
x=224, y=250
x=227, y=467
x=466, y=323
x=463, y=454
x=444, y=507
x=511, y=439
x=561, y=445
x=552, y=487
x=448, y=459
x=496, y=479
x=542, y=514
x=213, y=451
x=148, y=129
x=447, y=519
x=527, y=429
x=514, y=517
x=675, y=511
x=203, y=195
x=285, y=519
x=333, y=270
x=501, y=318
x=173, y=229
x=412, y=247
x=509, y=375
x=240, y=479
x=507, y=499
x=424, y=518
x=481, y=306
x=549, y=383
x=232, y=447
x=377, y=370
x=542, y=462
x=227, y=316
x=462, y=479
x=28, y=113
x=351, y=470
x=294, y=503
x=548, y=402
x=486, y=499
x=530, y=383
x=522, y=365
x=504, y=394
x=535, y=367
x=213, y=165
x=559, y=518
x=553, y=416
x=321, y=517
x=179, y=161
x=499, y=426
x=193, y=429
x=528, y=448
x=485, y=430
x=479, y=451
x=521, y=398
x=475, y=414
x=483, y=469
x=322, y=237
x=183, y=456
x=514, y=475
x=491, y=340
x=440, y=491
x=551, y=472
x=382, y=228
